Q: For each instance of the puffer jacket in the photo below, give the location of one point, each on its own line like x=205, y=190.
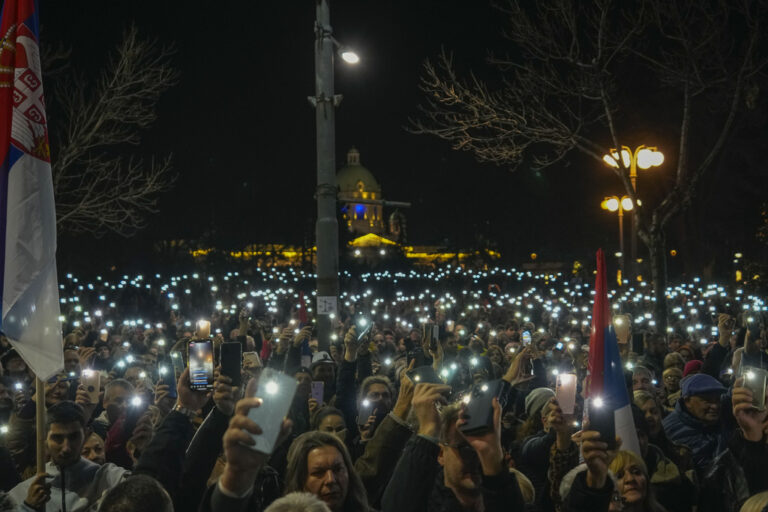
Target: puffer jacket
x=705, y=441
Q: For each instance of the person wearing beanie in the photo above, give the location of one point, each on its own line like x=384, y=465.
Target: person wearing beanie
x=674, y=359
x=536, y=400
x=552, y=442
x=692, y=367
x=697, y=421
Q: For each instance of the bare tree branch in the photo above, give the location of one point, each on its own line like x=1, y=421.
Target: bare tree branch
x=101, y=185
x=566, y=80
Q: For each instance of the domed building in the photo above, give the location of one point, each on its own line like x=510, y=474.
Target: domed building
x=357, y=182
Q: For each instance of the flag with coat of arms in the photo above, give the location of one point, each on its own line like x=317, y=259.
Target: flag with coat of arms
x=28, y=282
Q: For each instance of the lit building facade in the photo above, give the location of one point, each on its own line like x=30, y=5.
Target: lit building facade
x=357, y=182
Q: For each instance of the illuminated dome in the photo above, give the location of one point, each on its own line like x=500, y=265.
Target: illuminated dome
x=356, y=183
x=353, y=177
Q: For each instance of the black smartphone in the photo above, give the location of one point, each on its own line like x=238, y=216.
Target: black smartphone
x=200, y=358
x=424, y=375
x=137, y=406
x=601, y=419
x=365, y=330
x=168, y=376
x=416, y=354
x=431, y=334
x=231, y=361
x=479, y=409
x=368, y=409
x=364, y=412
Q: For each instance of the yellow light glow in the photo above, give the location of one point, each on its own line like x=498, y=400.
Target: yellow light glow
x=608, y=159
x=626, y=203
x=611, y=204
x=626, y=157
x=645, y=158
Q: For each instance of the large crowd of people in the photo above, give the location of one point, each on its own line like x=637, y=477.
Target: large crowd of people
x=439, y=390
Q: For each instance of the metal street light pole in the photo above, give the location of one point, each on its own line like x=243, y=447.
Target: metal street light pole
x=326, y=229
x=645, y=158
x=619, y=205
x=622, y=260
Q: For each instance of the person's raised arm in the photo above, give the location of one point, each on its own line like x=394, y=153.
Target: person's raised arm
x=206, y=444
x=499, y=487
x=163, y=458
x=377, y=464
x=413, y=477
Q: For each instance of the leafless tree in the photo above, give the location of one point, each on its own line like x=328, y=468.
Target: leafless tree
x=565, y=87
x=102, y=183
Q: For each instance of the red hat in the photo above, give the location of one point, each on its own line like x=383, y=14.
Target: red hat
x=691, y=367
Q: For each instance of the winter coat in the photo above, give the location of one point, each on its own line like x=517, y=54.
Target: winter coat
x=417, y=485
x=705, y=441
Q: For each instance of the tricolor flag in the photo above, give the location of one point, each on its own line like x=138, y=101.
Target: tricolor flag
x=605, y=379
x=30, y=315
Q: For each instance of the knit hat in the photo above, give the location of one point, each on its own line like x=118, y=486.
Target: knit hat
x=536, y=400
x=701, y=384
x=321, y=357
x=692, y=367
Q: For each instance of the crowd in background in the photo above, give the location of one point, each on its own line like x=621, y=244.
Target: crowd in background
x=375, y=437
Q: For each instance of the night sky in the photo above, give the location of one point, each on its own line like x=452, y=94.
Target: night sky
x=242, y=132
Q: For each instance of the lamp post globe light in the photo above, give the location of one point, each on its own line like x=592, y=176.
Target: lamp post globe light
x=325, y=102
x=619, y=205
x=643, y=157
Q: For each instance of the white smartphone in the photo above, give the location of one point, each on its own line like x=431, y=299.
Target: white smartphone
x=276, y=391
x=565, y=392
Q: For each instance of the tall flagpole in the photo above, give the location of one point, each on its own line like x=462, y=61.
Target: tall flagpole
x=40, y=425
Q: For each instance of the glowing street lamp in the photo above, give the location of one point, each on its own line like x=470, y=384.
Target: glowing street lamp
x=642, y=157
x=620, y=205
x=349, y=56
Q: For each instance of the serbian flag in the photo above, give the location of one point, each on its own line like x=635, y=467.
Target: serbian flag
x=30, y=315
x=605, y=379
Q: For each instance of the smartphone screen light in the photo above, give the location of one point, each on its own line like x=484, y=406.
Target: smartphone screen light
x=271, y=387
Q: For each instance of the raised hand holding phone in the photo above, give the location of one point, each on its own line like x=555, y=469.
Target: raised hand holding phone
x=243, y=461
x=752, y=421
x=224, y=394
x=275, y=391
x=189, y=398
x=487, y=444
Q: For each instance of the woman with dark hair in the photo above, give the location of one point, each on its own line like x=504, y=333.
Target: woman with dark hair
x=331, y=420
x=320, y=464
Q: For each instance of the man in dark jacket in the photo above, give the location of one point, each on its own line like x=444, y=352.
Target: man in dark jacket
x=455, y=472
x=697, y=421
x=739, y=472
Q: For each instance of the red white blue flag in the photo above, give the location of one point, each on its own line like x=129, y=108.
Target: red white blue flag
x=605, y=381
x=30, y=314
